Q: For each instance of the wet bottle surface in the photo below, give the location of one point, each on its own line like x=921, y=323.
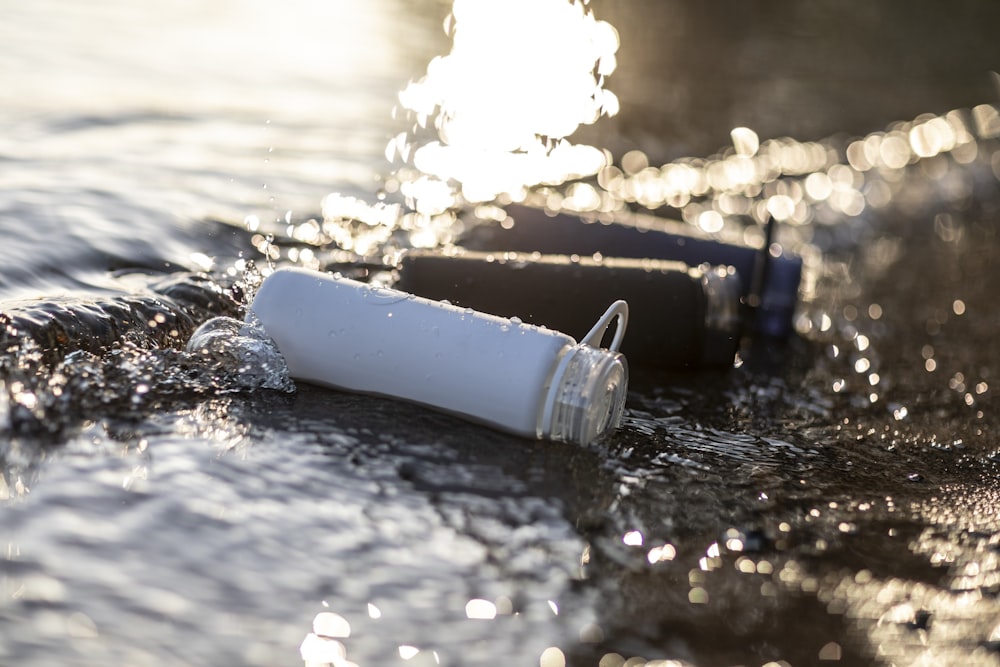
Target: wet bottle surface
x=517, y=377
x=771, y=282
x=680, y=316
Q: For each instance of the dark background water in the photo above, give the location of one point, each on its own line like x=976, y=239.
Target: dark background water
x=832, y=498
x=692, y=71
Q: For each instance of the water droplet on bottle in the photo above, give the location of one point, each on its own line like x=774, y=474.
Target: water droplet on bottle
x=516, y=321
x=384, y=296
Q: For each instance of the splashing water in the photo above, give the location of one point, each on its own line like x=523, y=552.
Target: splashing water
x=245, y=348
x=69, y=360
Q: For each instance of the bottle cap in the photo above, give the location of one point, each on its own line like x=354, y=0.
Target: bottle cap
x=588, y=386
x=587, y=395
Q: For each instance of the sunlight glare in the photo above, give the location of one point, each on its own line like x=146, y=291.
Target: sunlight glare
x=331, y=625
x=407, y=652
x=522, y=76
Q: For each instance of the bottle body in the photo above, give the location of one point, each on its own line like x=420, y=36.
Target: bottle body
x=680, y=316
x=341, y=333
x=655, y=238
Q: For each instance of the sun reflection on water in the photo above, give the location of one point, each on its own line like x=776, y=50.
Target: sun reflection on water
x=323, y=646
x=791, y=181
x=493, y=115
x=480, y=609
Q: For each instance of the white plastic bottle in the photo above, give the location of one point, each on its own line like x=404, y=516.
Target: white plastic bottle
x=517, y=377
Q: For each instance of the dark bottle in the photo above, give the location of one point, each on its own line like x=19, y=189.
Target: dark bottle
x=680, y=316
x=768, y=285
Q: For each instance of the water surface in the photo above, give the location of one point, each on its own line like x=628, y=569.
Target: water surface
x=830, y=499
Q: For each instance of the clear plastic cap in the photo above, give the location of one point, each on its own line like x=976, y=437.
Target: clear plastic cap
x=587, y=390
x=587, y=395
